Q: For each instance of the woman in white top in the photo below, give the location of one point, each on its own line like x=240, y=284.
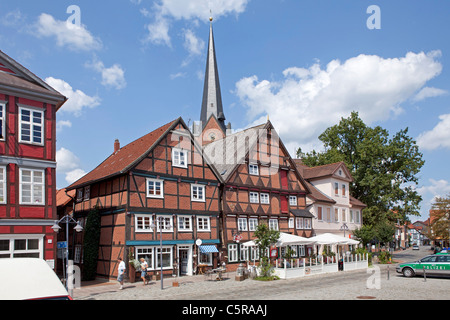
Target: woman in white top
x=121, y=272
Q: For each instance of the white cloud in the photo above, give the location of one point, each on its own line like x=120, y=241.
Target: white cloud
x=78, y=100
x=111, y=77
x=166, y=10
x=428, y=92
x=68, y=163
x=307, y=101
x=192, y=43
x=63, y=123
x=67, y=34
x=438, y=137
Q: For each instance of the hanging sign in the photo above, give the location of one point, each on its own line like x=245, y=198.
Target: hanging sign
x=273, y=252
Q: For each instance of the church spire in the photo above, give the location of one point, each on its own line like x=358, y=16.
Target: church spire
x=212, y=98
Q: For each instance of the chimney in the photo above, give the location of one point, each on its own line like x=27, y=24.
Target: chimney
x=116, y=145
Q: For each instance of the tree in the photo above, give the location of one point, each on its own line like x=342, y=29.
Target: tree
x=91, y=245
x=384, y=169
x=265, y=237
x=440, y=227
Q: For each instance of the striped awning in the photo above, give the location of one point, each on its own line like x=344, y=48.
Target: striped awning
x=208, y=249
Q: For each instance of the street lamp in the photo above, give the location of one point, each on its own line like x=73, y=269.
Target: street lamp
x=160, y=222
x=78, y=228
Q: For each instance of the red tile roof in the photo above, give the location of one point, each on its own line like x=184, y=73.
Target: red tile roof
x=122, y=160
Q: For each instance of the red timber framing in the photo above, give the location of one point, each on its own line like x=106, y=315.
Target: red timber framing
x=161, y=178
x=28, y=109
x=262, y=185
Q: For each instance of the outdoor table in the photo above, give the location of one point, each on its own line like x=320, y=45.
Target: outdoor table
x=219, y=272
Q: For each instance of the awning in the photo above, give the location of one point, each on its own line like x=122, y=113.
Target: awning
x=208, y=249
x=302, y=213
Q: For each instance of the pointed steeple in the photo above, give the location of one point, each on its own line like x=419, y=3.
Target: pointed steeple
x=212, y=98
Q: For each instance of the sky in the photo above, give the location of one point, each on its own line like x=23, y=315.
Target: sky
x=131, y=66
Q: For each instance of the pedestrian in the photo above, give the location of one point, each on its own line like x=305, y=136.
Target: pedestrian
x=121, y=272
x=144, y=266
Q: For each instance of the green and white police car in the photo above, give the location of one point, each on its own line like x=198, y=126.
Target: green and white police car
x=435, y=264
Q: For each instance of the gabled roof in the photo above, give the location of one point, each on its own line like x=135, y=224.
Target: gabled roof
x=323, y=171
x=318, y=196
x=130, y=155
x=229, y=153
x=18, y=80
x=63, y=198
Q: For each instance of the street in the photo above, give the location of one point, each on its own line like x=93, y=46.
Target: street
x=380, y=282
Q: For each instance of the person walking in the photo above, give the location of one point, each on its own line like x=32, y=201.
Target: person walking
x=144, y=266
x=121, y=272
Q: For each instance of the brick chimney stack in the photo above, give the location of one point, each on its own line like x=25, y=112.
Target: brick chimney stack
x=116, y=145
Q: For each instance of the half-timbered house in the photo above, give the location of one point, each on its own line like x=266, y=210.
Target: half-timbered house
x=160, y=184
x=28, y=109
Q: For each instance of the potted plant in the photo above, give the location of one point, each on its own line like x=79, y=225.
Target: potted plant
x=134, y=265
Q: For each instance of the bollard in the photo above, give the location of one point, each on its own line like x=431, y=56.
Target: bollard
x=388, y=272
x=424, y=275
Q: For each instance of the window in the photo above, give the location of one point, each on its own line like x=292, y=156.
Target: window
x=79, y=195
x=205, y=258
x=21, y=246
x=143, y=223
x=344, y=215
x=273, y=224
x=307, y=223
x=319, y=214
x=299, y=223
x=351, y=216
x=293, y=200
x=254, y=253
x=253, y=169
x=184, y=223
x=232, y=253
x=291, y=223
x=357, y=217
x=2, y=121
x=197, y=193
x=252, y=224
x=343, y=190
x=165, y=223
x=2, y=184
x=179, y=158
x=87, y=193
x=203, y=224
x=242, y=224
x=147, y=254
x=31, y=126
x=265, y=198
x=336, y=215
x=32, y=183
x=336, y=188
x=254, y=197
x=166, y=257
x=244, y=253
x=155, y=188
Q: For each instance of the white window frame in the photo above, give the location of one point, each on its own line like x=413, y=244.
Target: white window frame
x=233, y=252
x=165, y=251
x=178, y=160
x=32, y=126
x=182, y=223
x=291, y=223
x=252, y=224
x=87, y=193
x=32, y=185
x=202, y=226
x=154, y=182
x=307, y=223
x=147, y=221
x=242, y=224
x=253, y=197
x=244, y=253
x=253, y=169
x=293, y=200
x=344, y=215
x=357, y=216
x=299, y=223
x=147, y=251
x=336, y=189
x=264, y=198
x=336, y=214
x=3, y=193
x=167, y=223
x=2, y=120
x=80, y=195
x=12, y=252
x=273, y=224
x=195, y=194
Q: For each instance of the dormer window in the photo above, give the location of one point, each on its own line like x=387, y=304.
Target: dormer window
x=253, y=169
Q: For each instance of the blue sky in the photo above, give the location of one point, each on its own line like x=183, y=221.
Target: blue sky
x=131, y=66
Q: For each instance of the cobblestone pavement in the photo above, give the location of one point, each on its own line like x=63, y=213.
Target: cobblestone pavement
x=342, y=286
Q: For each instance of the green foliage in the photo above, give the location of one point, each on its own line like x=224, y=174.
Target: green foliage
x=384, y=257
x=384, y=169
x=264, y=239
x=91, y=245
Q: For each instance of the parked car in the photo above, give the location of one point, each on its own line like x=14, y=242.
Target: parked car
x=415, y=247
x=435, y=264
x=30, y=279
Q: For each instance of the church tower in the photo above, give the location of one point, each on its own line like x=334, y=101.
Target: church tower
x=212, y=116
